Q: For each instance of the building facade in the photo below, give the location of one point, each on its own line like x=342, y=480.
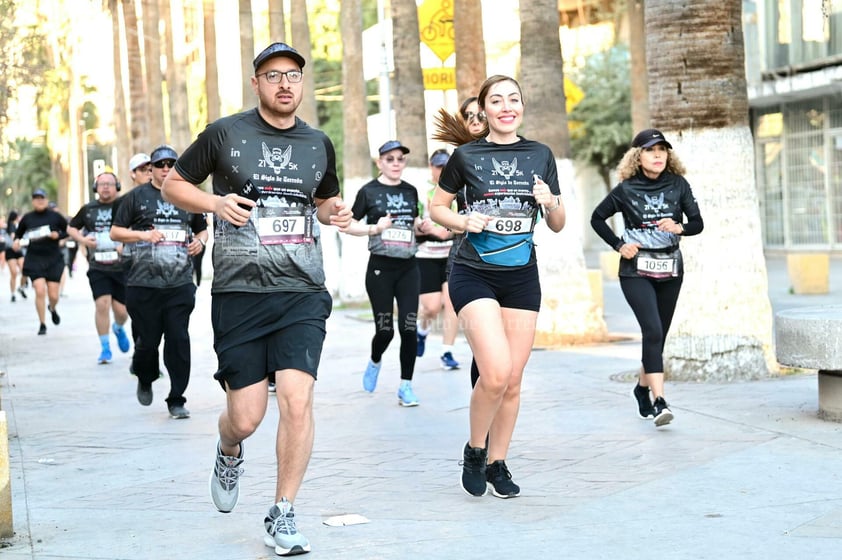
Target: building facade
x=794, y=72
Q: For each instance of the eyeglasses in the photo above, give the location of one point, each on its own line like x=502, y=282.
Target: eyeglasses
x=275, y=77
x=393, y=159
x=480, y=117
x=107, y=184
x=164, y=163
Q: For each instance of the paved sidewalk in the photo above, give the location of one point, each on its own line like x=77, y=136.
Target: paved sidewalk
x=746, y=470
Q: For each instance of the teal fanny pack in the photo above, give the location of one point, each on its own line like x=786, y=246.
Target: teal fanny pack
x=502, y=250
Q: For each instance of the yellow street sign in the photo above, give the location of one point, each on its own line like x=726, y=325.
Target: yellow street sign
x=439, y=78
x=435, y=22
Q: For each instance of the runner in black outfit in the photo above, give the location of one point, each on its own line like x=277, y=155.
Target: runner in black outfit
x=386, y=210
x=160, y=294
x=653, y=197
x=273, y=177
x=509, y=182
x=91, y=227
x=41, y=230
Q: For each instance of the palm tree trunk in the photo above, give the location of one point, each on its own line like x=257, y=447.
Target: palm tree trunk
x=408, y=97
x=300, y=31
x=277, y=29
x=121, y=121
x=211, y=73
x=639, y=80
x=569, y=312
x=137, y=87
x=154, y=75
x=247, y=51
x=356, y=160
x=723, y=325
x=470, y=47
x=176, y=76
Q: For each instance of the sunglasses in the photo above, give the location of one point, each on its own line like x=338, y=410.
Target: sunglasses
x=480, y=117
x=164, y=163
x=393, y=159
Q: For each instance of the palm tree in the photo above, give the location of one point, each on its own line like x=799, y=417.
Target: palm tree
x=246, y=51
x=408, y=97
x=356, y=158
x=211, y=73
x=470, y=47
x=639, y=82
x=569, y=312
x=176, y=82
x=137, y=87
x=300, y=31
x=121, y=120
x=277, y=30
x=154, y=75
x=698, y=98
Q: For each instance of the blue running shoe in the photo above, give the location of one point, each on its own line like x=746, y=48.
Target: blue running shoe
x=422, y=344
x=104, y=356
x=122, y=339
x=372, y=370
x=447, y=361
x=406, y=396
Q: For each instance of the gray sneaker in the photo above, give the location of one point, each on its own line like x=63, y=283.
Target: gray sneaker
x=224, y=480
x=281, y=532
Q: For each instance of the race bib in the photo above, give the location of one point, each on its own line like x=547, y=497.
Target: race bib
x=657, y=265
x=106, y=257
x=173, y=236
x=396, y=235
x=509, y=225
x=39, y=232
x=292, y=226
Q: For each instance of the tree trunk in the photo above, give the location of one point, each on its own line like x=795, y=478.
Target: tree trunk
x=639, y=80
x=247, y=52
x=470, y=47
x=154, y=75
x=569, y=313
x=356, y=158
x=172, y=14
x=300, y=32
x=122, y=144
x=408, y=96
x=277, y=28
x=723, y=324
x=139, y=109
x=542, y=76
x=211, y=73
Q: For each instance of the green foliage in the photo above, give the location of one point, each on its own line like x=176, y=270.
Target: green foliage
x=22, y=53
x=601, y=121
x=27, y=168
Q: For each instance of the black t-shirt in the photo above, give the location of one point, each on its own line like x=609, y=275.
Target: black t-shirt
x=35, y=227
x=497, y=181
x=165, y=264
x=642, y=202
x=279, y=248
x=375, y=200
x=94, y=220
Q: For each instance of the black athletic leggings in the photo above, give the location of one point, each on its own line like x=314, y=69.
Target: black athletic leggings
x=653, y=303
x=389, y=280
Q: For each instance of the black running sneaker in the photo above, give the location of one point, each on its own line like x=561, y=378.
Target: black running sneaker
x=644, y=402
x=498, y=476
x=54, y=315
x=473, y=470
x=42, y=329
x=663, y=415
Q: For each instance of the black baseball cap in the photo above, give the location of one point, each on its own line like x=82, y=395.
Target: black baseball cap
x=392, y=145
x=650, y=137
x=163, y=152
x=39, y=193
x=278, y=49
